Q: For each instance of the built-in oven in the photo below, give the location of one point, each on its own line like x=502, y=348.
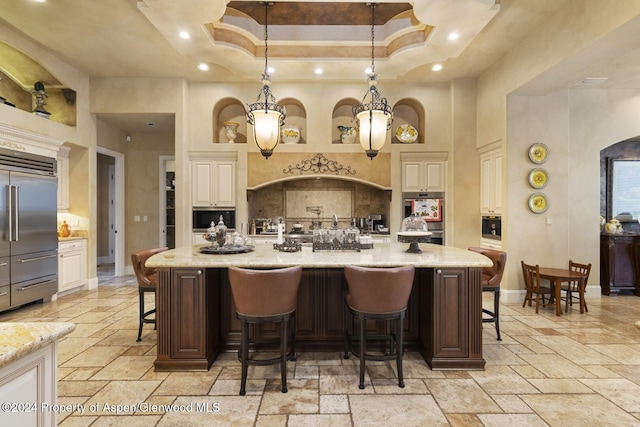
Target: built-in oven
x=430, y=206
x=202, y=218
x=492, y=227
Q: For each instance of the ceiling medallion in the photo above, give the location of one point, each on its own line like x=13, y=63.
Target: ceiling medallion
x=319, y=164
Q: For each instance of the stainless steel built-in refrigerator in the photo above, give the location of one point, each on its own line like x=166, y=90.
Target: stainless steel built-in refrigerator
x=28, y=220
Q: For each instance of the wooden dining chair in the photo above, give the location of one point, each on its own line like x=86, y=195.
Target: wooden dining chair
x=532, y=285
x=572, y=288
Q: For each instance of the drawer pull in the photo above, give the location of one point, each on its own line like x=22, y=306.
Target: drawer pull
x=26, y=288
x=39, y=258
x=2, y=294
x=3, y=264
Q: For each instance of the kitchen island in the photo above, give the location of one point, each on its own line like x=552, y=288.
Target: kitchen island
x=196, y=315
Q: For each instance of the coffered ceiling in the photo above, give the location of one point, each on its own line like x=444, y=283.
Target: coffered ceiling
x=142, y=38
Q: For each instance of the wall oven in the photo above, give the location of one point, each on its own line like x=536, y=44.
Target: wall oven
x=431, y=207
x=202, y=218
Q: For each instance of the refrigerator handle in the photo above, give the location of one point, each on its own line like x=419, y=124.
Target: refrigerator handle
x=9, y=195
x=14, y=208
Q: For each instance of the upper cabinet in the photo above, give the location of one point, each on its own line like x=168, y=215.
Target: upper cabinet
x=423, y=172
x=63, y=179
x=491, y=180
x=213, y=182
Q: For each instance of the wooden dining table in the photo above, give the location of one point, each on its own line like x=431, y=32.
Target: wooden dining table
x=558, y=275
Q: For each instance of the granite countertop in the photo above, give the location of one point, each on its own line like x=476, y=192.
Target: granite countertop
x=382, y=255
x=66, y=239
x=19, y=339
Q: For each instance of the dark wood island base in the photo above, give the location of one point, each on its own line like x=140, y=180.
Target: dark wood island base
x=196, y=316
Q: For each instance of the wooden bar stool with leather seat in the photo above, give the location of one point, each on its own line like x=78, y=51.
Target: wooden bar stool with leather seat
x=147, y=282
x=377, y=294
x=265, y=296
x=491, y=278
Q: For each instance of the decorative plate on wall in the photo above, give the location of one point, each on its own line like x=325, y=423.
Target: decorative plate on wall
x=538, y=153
x=538, y=203
x=406, y=134
x=538, y=178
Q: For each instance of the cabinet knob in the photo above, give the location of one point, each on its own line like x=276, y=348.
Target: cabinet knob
x=439, y=271
x=199, y=272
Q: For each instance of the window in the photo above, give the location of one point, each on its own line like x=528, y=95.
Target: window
x=624, y=187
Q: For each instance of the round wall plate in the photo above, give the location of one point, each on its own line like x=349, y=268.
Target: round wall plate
x=538, y=178
x=538, y=203
x=538, y=153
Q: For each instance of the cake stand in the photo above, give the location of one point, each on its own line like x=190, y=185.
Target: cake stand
x=413, y=238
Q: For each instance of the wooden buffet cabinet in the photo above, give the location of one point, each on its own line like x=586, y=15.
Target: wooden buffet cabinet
x=620, y=263
x=196, y=315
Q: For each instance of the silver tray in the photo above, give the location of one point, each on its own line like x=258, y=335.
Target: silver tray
x=226, y=249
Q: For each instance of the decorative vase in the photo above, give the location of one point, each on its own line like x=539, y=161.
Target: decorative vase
x=348, y=134
x=613, y=227
x=290, y=135
x=230, y=131
x=64, y=230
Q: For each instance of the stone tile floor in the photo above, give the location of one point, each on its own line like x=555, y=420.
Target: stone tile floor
x=573, y=370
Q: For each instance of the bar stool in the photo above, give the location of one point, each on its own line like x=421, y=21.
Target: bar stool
x=378, y=294
x=491, y=278
x=147, y=282
x=265, y=296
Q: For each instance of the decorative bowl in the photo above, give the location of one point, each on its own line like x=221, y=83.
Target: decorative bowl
x=290, y=135
x=406, y=134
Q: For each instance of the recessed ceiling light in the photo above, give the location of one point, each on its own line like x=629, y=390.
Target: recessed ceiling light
x=319, y=70
x=271, y=70
x=367, y=71
x=40, y=1
x=436, y=67
x=185, y=35
x=203, y=67
x=453, y=36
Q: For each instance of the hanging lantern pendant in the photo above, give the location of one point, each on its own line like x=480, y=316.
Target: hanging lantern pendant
x=373, y=118
x=266, y=116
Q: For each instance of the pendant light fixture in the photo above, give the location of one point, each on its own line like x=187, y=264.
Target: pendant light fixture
x=266, y=116
x=373, y=117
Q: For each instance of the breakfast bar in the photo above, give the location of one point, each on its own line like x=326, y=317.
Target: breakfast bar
x=196, y=315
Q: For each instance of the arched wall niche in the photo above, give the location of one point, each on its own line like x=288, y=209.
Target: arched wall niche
x=342, y=116
x=296, y=116
x=19, y=73
x=409, y=111
x=229, y=110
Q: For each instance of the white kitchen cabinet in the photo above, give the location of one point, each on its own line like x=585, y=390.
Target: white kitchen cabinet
x=423, y=172
x=213, y=183
x=30, y=384
x=491, y=180
x=63, y=179
x=72, y=264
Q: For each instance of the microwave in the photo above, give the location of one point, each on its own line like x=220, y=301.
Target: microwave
x=202, y=218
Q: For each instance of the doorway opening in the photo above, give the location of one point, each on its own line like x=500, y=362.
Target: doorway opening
x=110, y=206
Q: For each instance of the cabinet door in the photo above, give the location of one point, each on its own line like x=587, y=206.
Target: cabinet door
x=70, y=270
x=497, y=183
x=201, y=183
x=491, y=182
x=412, y=176
x=486, y=184
x=63, y=183
x=225, y=184
x=434, y=174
